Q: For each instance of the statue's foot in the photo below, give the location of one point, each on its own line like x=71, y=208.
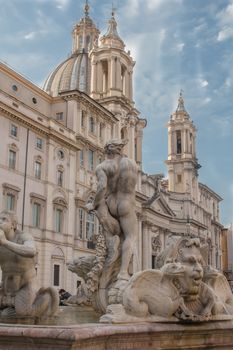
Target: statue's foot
x=123, y=276
x=8, y=312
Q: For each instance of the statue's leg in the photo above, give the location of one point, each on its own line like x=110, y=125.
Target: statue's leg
x=129, y=228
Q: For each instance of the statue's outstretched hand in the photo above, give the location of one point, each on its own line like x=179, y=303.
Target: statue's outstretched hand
x=2, y=237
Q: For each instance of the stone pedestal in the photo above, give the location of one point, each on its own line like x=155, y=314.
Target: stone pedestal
x=157, y=336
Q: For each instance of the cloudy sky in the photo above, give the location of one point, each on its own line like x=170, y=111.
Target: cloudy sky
x=177, y=44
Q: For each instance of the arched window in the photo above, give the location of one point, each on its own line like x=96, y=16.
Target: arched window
x=178, y=142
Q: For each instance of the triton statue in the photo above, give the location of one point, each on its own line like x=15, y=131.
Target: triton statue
x=18, y=294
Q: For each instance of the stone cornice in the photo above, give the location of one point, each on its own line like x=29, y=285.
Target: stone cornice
x=209, y=191
x=91, y=103
x=86, y=142
x=38, y=127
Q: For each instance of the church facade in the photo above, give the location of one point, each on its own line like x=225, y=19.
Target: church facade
x=53, y=138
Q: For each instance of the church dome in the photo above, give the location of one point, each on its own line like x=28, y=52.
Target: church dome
x=72, y=74
x=75, y=72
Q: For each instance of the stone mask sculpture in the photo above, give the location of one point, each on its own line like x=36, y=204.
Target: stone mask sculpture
x=18, y=294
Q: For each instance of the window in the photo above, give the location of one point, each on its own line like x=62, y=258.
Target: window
x=81, y=222
x=37, y=169
x=59, y=116
x=91, y=125
x=12, y=159
x=178, y=142
x=58, y=220
x=83, y=119
x=179, y=178
x=60, y=177
x=56, y=275
x=36, y=214
x=101, y=128
x=10, y=202
x=14, y=88
x=34, y=100
x=14, y=130
x=60, y=154
x=39, y=143
x=90, y=228
x=81, y=158
x=90, y=160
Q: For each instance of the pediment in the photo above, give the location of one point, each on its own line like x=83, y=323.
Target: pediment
x=160, y=205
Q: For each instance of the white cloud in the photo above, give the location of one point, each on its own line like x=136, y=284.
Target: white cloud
x=225, y=33
x=203, y=83
x=180, y=47
x=154, y=4
x=61, y=4
x=30, y=35
x=206, y=100
x=225, y=18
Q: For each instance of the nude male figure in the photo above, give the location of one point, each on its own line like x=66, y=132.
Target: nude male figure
x=117, y=177
x=18, y=289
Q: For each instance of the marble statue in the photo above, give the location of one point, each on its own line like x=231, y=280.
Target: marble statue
x=184, y=289
x=107, y=273
x=115, y=197
x=18, y=294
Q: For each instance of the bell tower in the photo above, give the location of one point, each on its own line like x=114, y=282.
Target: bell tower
x=112, y=66
x=112, y=86
x=182, y=162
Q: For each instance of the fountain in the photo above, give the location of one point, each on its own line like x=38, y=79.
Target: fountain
x=183, y=303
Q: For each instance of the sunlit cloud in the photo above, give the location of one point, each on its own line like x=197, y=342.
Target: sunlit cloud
x=225, y=18
x=30, y=36
x=180, y=47
x=203, y=83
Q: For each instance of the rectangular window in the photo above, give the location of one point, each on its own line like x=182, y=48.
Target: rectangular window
x=91, y=125
x=14, y=130
x=58, y=220
x=59, y=116
x=81, y=158
x=10, y=202
x=81, y=223
x=179, y=178
x=90, y=160
x=36, y=211
x=60, y=178
x=56, y=275
x=82, y=119
x=90, y=226
x=39, y=143
x=12, y=159
x=37, y=170
x=101, y=130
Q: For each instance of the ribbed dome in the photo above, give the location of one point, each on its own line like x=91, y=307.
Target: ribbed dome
x=72, y=74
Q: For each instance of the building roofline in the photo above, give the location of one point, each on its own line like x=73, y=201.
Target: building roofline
x=205, y=187
x=24, y=80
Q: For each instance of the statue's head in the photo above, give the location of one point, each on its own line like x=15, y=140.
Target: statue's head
x=187, y=252
x=115, y=146
x=8, y=221
x=189, y=255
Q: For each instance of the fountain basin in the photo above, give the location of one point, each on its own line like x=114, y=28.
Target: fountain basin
x=94, y=336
